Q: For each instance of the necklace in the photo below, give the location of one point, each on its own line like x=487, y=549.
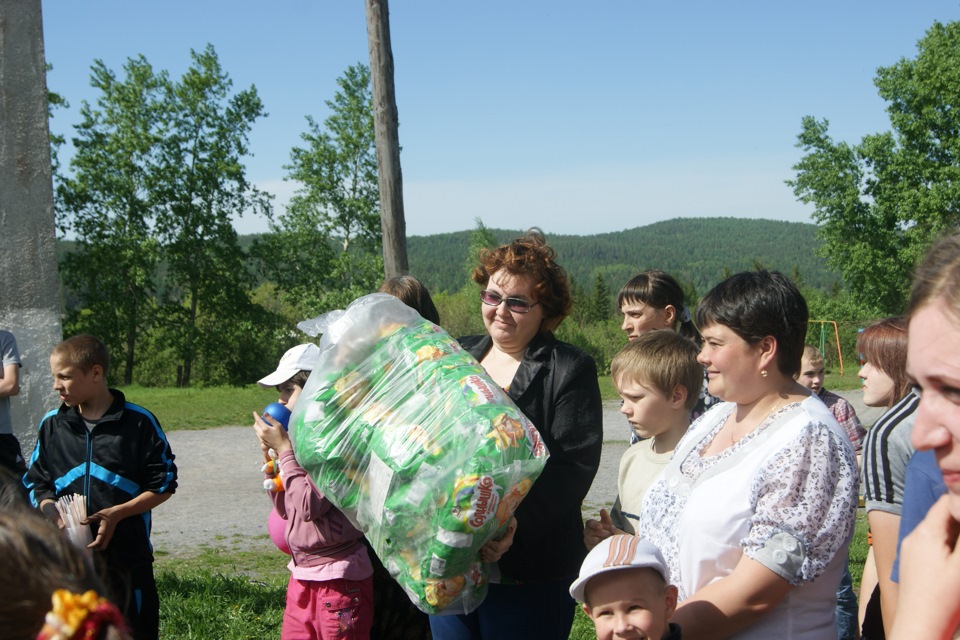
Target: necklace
x=733, y=440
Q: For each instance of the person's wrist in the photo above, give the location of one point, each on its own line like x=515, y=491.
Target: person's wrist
x=49, y=509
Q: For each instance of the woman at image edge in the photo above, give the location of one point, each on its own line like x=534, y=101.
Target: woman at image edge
x=928, y=604
x=525, y=297
x=755, y=511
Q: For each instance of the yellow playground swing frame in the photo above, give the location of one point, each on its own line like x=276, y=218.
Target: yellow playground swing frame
x=836, y=336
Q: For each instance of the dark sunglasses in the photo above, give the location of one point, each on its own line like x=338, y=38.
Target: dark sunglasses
x=516, y=305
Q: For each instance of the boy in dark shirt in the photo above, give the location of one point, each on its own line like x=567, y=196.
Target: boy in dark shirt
x=114, y=454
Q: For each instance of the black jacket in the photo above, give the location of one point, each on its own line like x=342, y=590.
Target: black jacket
x=125, y=455
x=556, y=388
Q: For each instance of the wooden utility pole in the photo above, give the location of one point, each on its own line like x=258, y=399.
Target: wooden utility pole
x=392, y=222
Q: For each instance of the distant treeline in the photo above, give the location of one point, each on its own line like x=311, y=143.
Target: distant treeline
x=697, y=251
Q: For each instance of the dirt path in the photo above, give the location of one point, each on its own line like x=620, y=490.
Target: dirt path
x=221, y=503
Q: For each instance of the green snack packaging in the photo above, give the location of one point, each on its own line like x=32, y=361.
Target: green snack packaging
x=410, y=438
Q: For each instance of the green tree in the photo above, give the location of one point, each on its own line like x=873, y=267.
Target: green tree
x=580, y=313
x=691, y=297
x=880, y=203
x=460, y=311
x=599, y=304
x=201, y=184
x=850, y=316
x=480, y=238
x=325, y=249
x=107, y=203
x=55, y=101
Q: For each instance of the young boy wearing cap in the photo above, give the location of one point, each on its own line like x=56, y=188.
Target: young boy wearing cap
x=330, y=592
x=624, y=588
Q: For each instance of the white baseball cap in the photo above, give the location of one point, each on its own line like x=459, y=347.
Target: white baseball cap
x=302, y=357
x=615, y=553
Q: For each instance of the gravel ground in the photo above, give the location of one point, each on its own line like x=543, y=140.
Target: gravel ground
x=220, y=501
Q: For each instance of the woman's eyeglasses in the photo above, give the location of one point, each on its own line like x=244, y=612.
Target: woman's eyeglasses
x=516, y=305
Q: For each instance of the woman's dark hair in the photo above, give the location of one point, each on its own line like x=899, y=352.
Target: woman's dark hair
x=414, y=294
x=659, y=289
x=529, y=256
x=884, y=345
x=757, y=304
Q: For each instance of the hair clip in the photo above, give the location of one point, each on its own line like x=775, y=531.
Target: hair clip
x=79, y=617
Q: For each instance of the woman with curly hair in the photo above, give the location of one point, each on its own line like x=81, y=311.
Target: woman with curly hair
x=525, y=297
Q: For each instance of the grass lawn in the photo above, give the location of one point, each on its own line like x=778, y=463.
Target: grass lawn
x=201, y=407
x=233, y=594
x=222, y=595
x=239, y=595
x=848, y=381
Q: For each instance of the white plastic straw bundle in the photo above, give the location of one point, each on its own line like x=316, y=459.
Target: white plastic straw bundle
x=73, y=510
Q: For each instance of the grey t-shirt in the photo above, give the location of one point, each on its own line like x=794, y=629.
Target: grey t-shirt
x=886, y=452
x=9, y=355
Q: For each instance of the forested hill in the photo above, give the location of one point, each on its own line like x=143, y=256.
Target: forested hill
x=696, y=251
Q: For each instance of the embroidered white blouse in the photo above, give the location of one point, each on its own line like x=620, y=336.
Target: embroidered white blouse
x=785, y=495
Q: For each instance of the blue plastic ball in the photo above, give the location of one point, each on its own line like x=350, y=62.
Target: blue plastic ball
x=279, y=413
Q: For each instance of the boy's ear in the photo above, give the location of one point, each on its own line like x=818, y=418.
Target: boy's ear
x=96, y=372
x=670, y=600
x=586, y=610
x=678, y=397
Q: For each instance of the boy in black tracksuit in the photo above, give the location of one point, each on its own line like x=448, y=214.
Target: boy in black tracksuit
x=115, y=454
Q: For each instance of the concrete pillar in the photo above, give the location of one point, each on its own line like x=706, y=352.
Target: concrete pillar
x=29, y=283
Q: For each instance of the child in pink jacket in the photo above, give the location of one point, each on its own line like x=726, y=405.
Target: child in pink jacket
x=330, y=593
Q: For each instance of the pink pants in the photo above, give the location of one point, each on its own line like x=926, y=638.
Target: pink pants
x=328, y=610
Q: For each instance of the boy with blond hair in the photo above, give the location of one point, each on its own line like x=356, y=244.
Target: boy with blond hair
x=811, y=376
x=659, y=379
x=114, y=454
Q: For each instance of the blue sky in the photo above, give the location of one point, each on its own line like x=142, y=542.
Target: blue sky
x=578, y=117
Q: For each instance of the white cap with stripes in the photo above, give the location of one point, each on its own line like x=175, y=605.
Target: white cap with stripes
x=615, y=553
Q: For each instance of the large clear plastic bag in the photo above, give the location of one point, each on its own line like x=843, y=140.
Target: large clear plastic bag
x=410, y=438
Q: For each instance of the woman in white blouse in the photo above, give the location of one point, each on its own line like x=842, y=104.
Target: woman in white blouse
x=755, y=511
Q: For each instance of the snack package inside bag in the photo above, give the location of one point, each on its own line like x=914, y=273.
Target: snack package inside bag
x=410, y=438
